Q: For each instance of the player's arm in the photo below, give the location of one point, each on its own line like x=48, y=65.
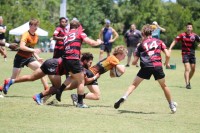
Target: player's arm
x=161, y=28
x=12, y=46
x=89, y=80
x=55, y=35
x=116, y=35
x=167, y=57
x=92, y=42
x=172, y=45
x=58, y=38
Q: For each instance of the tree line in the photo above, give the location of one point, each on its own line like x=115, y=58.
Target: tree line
x=92, y=13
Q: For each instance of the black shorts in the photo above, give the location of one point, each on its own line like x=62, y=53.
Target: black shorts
x=89, y=74
x=189, y=59
x=73, y=66
x=58, y=53
x=20, y=62
x=49, y=67
x=107, y=48
x=146, y=73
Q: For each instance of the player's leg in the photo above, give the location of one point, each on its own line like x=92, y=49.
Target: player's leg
x=46, y=94
x=193, y=67
x=131, y=88
x=35, y=65
x=102, y=47
x=79, y=77
x=167, y=93
x=94, y=93
x=9, y=82
x=187, y=74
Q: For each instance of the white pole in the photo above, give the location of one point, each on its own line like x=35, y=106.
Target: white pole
x=63, y=4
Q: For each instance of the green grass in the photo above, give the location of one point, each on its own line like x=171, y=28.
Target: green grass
x=145, y=111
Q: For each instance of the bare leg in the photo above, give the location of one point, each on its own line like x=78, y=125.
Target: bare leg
x=94, y=93
x=34, y=65
x=187, y=72
x=193, y=67
x=165, y=89
x=101, y=55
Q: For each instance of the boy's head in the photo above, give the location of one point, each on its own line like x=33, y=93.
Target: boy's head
x=87, y=59
x=120, y=52
x=147, y=30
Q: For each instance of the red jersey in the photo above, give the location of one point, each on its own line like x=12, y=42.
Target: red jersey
x=188, y=42
x=149, y=52
x=59, y=32
x=73, y=43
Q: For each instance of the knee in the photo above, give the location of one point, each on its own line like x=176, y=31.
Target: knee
x=97, y=96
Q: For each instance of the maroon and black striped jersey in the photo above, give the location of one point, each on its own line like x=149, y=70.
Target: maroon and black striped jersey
x=149, y=52
x=188, y=42
x=73, y=43
x=60, y=32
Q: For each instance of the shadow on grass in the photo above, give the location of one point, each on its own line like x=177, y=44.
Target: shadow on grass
x=101, y=106
x=57, y=104
x=16, y=96
x=134, y=112
x=176, y=86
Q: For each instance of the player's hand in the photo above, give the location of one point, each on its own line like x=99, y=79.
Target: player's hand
x=99, y=41
x=37, y=51
x=97, y=75
x=13, y=46
x=111, y=40
x=167, y=65
x=40, y=60
x=198, y=45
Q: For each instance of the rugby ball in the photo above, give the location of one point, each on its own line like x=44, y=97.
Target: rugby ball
x=116, y=72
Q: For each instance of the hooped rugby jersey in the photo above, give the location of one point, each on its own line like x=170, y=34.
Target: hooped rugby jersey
x=149, y=52
x=31, y=41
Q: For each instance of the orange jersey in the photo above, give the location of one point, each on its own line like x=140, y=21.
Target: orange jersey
x=31, y=41
x=104, y=65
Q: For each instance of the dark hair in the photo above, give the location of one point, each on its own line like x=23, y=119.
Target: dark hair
x=61, y=18
x=189, y=23
x=86, y=56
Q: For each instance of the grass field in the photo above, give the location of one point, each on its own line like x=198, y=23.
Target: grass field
x=145, y=111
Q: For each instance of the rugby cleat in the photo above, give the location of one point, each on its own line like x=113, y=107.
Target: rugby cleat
x=7, y=84
x=74, y=98
x=173, y=106
x=81, y=105
x=188, y=86
x=118, y=103
x=37, y=99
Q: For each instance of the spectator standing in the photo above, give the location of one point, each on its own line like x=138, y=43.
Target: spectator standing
x=106, y=35
x=132, y=38
x=157, y=30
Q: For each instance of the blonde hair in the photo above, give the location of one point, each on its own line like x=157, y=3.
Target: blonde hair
x=119, y=50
